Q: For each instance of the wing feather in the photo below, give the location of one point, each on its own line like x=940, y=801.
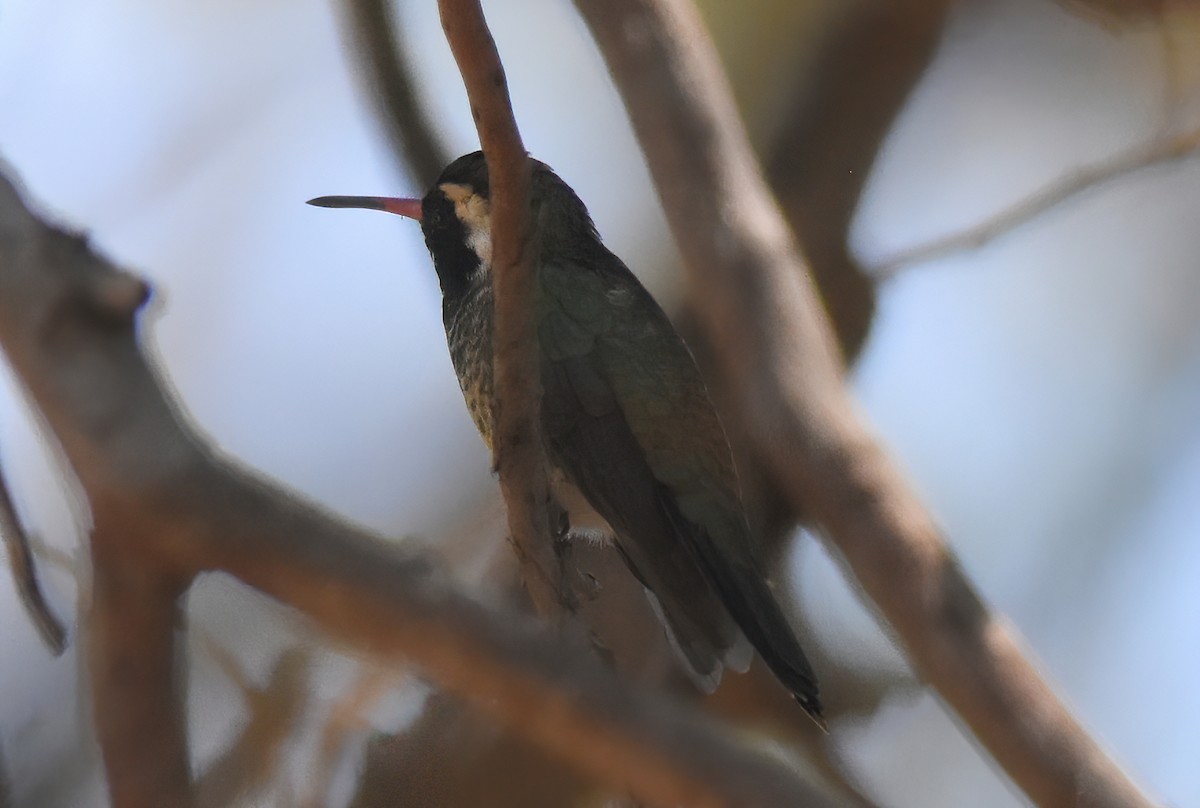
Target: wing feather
x=630, y=422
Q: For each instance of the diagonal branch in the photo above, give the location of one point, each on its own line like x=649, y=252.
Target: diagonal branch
x=843, y=105
x=533, y=517
x=1157, y=152
x=24, y=571
x=160, y=496
x=777, y=347
x=389, y=78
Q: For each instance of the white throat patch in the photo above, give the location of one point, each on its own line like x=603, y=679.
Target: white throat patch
x=476, y=215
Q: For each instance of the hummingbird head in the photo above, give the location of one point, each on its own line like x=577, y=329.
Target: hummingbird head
x=455, y=217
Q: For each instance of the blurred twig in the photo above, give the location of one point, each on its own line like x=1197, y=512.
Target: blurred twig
x=756, y=701
x=389, y=77
x=867, y=65
x=1172, y=73
x=1157, y=152
x=779, y=350
x=162, y=499
x=534, y=518
x=59, y=559
x=24, y=571
x=247, y=766
x=345, y=720
x=1114, y=14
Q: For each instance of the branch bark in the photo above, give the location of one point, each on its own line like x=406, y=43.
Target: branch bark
x=868, y=60
x=161, y=497
x=534, y=519
x=776, y=346
x=136, y=696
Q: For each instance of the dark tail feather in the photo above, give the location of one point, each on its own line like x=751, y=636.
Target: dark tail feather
x=757, y=613
x=743, y=590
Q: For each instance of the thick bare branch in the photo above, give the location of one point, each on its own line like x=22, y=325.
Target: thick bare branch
x=389, y=78
x=136, y=695
x=158, y=494
x=533, y=518
x=1166, y=150
x=778, y=349
x=20, y=559
x=869, y=58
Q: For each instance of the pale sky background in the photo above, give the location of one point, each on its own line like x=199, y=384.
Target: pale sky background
x=1042, y=392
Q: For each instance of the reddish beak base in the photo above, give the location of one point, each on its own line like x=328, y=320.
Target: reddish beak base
x=410, y=208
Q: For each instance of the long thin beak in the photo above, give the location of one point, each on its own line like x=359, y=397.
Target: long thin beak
x=403, y=207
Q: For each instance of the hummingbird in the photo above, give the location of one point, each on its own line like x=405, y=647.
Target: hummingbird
x=634, y=443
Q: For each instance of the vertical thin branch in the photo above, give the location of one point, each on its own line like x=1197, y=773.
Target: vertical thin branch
x=533, y=518
x=136, y=695
x=777, y=347
x=24, y=571
x=389, y=78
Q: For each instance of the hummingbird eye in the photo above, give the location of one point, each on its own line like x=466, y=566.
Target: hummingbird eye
x=438, y=210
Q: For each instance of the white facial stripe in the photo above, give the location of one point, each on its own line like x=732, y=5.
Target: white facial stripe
x=475, y=214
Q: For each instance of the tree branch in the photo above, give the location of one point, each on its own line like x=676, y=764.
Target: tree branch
x=24, y=570
x=1162, y=151
x=346, y=721
x=389, y=78
x=778, y=349
x=869, y=58
x=867, y=65
x=160, y=496
x=247, y=765
x=136, y=696
x=533, y=518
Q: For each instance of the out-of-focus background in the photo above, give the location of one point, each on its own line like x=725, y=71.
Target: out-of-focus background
x=1042, y=391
